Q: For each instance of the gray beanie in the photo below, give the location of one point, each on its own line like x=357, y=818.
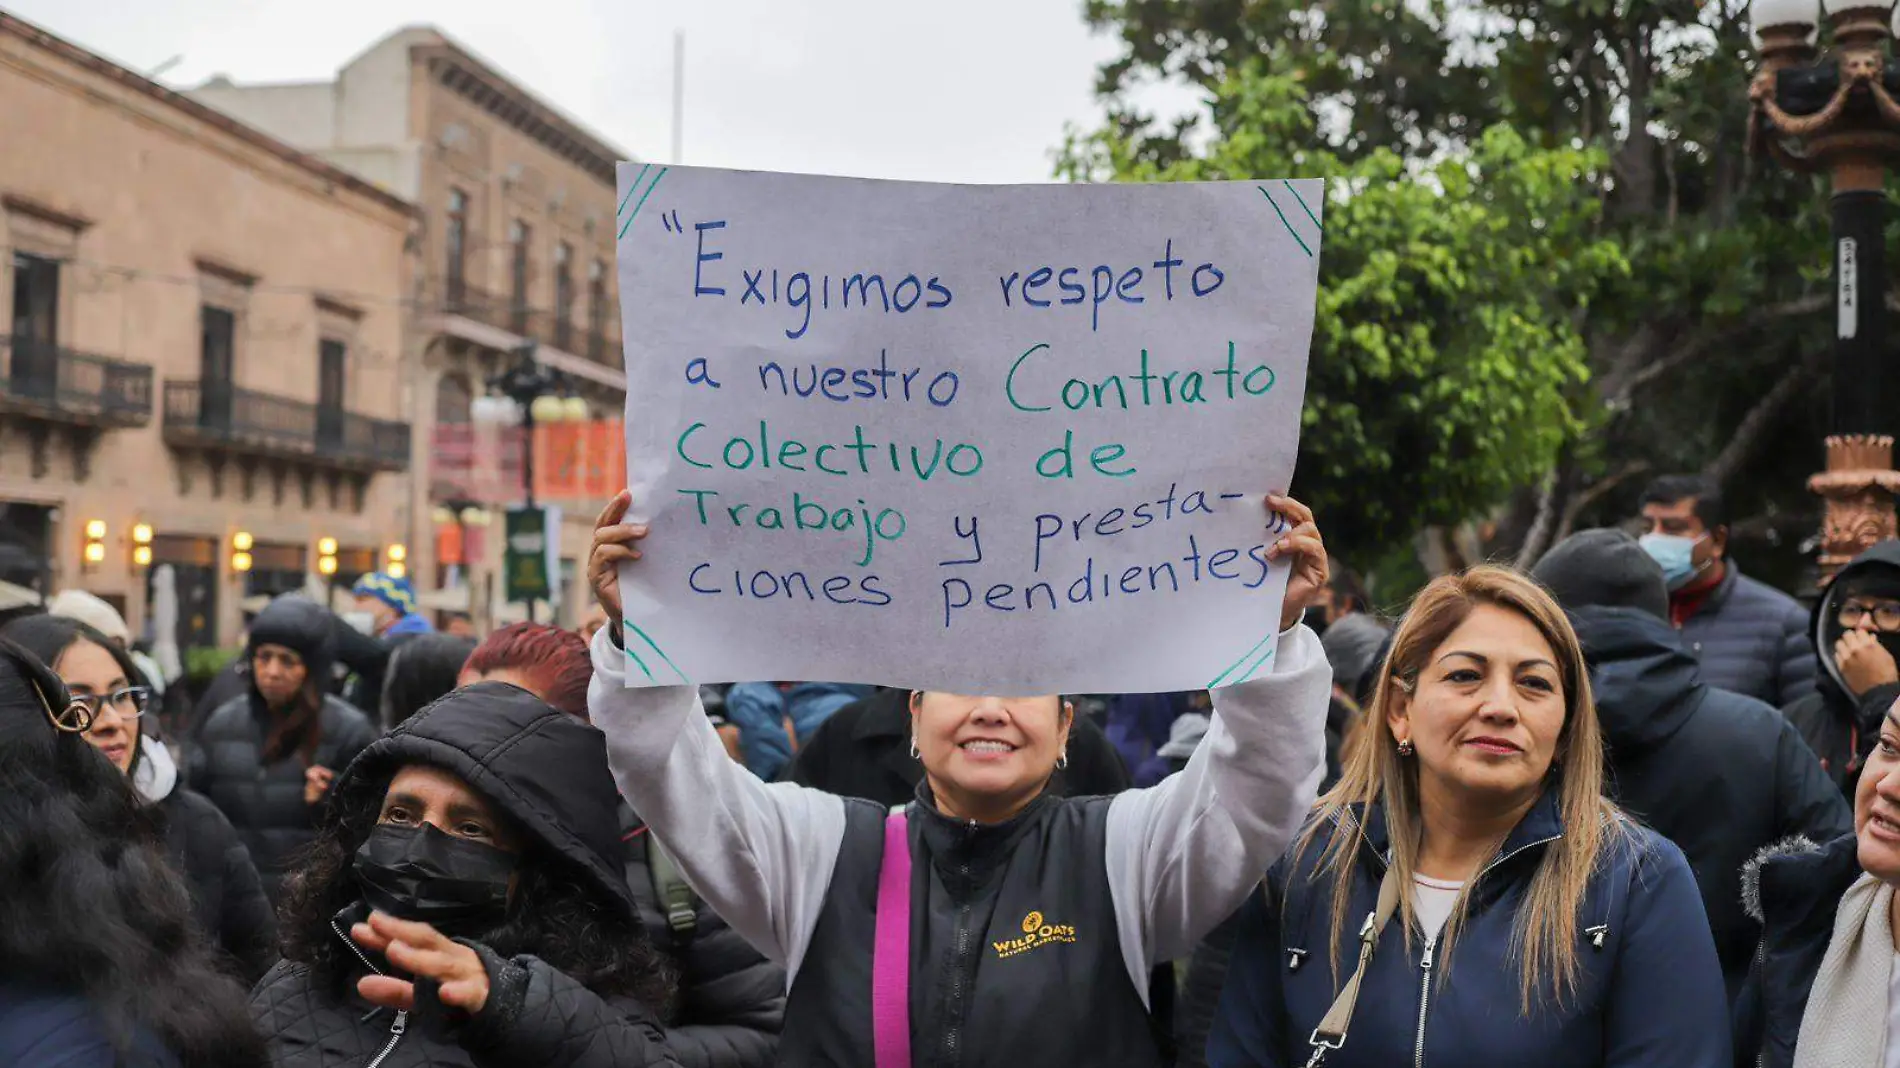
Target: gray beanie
x=1603, y=568
x=1352, y=644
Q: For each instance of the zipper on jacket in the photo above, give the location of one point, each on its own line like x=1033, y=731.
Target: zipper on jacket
x=1761, y=962
x=1515, y=852
x=401, y=1023
x=1424, y=999
x=354, y=948
x=953, y=1031
x=396, y=1030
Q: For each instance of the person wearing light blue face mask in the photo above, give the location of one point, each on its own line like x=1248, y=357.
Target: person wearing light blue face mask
x=1748, y=637
x=1675, y=554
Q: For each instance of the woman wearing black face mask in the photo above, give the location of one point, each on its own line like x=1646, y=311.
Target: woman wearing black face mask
x=433, y=923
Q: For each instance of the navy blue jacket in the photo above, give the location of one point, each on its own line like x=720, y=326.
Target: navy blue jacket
x=1718, y=774
x=1793, y=889
x=1650, y=994
x=1753, y=639
x=41, y=1029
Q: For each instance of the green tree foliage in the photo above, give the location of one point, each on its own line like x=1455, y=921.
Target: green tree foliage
x=1447, y=349
x=1551, y=268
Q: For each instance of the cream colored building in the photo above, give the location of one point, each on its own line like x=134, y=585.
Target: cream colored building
x=516, y=242
x=205, y=339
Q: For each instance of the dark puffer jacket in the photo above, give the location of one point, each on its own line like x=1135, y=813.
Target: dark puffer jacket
x=227, y=897
x=1839, y=725
x=265, y=802
x=1719, y=774
x=731, y=1000
x=547, y=772
x=1792, y=889
x=1752, y=639
x=1649, y=991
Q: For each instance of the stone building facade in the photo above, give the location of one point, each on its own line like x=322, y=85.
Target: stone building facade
x=206, y=355
x=516, y=243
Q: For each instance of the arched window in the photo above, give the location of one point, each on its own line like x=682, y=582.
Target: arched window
x=452, y=397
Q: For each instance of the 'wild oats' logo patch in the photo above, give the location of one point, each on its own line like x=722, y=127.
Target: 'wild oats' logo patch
x=1037, y=932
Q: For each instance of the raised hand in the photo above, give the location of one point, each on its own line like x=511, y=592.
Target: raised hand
x=1304, y=551
x=613, y=545
x=316, y=781
x=1864, y=662
x=423, y=952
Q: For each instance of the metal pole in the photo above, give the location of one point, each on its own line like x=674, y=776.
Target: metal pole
x=1860, y=278
x=527, y=469
x=679, y=95
x=1858, y=483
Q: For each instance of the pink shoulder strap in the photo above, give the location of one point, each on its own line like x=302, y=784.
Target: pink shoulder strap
x=890, y=954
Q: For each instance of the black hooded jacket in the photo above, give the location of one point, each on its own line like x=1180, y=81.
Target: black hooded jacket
x=731, y=1000
x=547, y=772
x=1793, y=889
x=1719, y=774
x=1839, y=726
x=265, y=802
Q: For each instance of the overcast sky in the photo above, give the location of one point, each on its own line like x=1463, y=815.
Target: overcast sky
x=971, y=91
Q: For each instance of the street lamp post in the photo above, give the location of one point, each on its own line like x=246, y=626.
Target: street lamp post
x=1838, y=112
x=529, y=384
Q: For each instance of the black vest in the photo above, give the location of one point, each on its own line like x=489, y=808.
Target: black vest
x=1015, y=954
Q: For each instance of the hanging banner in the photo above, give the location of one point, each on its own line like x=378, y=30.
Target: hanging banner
x=528, y=554
x=1007, y=439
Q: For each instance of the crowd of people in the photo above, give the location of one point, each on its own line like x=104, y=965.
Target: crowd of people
x=1629, y=807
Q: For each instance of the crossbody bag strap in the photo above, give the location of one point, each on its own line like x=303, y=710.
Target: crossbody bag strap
x=1331, y=1032
x=890, y=950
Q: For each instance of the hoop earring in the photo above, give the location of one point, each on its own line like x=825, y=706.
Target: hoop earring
x=914, y=754
x=1406, y=748
x=1062, y=760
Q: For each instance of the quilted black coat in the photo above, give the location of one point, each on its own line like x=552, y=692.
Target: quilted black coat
x=536, y=1017
x=226, y=895
x=264, y=801
x=731, y=999
x=548, y=773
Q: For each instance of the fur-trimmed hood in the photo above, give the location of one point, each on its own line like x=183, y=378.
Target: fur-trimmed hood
x=1794, y=887
x=1795, y=846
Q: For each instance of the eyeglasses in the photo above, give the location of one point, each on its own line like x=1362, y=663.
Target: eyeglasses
x=1886, y=614
x=130, y=702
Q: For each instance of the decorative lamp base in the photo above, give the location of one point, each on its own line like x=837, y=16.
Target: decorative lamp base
x=1858, y=488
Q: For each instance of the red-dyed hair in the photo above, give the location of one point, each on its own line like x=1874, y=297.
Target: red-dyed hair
x=553, y=662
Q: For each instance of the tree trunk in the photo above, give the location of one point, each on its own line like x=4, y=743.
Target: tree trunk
x=1795, y=381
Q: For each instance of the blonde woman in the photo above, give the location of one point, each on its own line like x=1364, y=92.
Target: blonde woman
x=1467, y=872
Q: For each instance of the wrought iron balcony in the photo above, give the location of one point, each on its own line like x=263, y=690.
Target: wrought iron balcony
x=498, y=310
x=244, y=420
x=503, y=312
x=46, y=381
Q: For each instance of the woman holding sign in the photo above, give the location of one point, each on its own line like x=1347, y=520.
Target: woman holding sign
x=989, y=922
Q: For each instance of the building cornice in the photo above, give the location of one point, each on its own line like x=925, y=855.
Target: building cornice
x=468, y=77
x=98, y=65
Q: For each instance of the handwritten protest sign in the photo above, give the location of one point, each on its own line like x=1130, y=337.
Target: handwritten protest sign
x=1006, y=439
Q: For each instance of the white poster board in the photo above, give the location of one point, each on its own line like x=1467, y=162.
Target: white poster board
x=983, y=439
